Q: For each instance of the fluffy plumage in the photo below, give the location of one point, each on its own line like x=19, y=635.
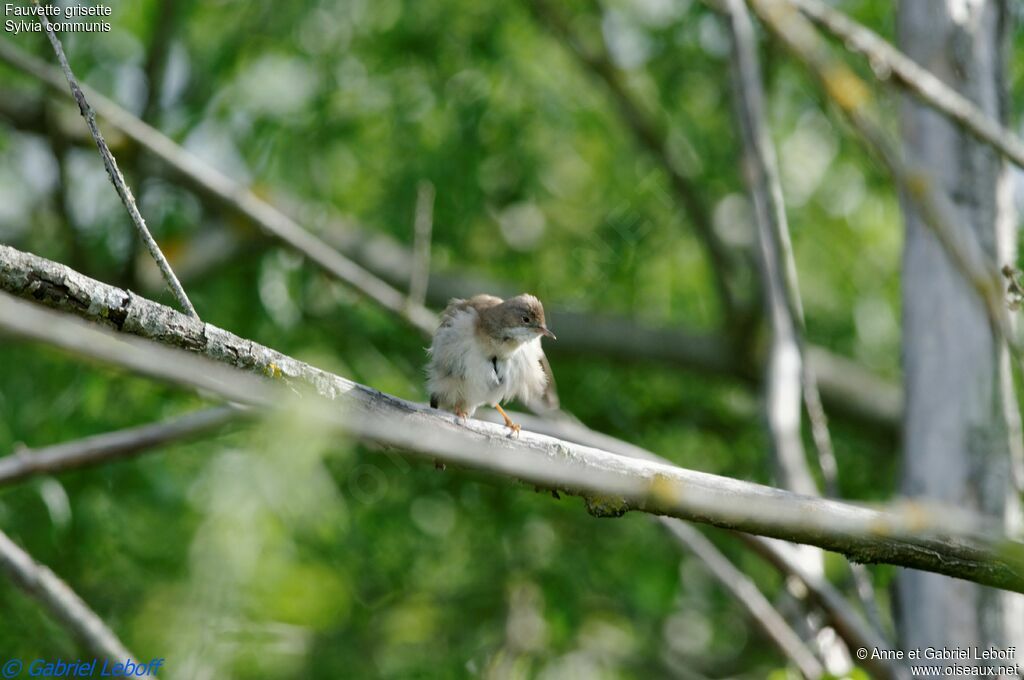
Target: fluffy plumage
x=487, y=351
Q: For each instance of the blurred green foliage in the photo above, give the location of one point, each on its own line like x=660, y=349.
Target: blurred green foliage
x=277, y=551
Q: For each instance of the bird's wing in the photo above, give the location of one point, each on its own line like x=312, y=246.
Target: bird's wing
x=530, y=372
x=483, y=301
x=477, y=302
x=455, y=305
x=549, y=398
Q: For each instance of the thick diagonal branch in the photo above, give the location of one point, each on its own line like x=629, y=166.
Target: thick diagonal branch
x=915, y=537
x=122, y=444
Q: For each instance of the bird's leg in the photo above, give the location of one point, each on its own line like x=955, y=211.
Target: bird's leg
x=508, y=421
x=460, y=412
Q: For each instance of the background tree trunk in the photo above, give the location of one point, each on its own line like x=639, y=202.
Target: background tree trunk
x=960, y=427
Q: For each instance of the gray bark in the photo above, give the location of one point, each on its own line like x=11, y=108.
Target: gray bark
x=112, y=446
x=960, y=429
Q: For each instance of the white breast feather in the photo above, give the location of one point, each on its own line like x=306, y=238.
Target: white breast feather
x=526, y=378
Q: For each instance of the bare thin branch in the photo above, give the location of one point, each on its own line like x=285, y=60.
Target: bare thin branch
x=116, y=178
x=853, y=98
x=783, y=383
x=785, y=307
x=781, y=286
x=889, y=62
x=745, y=590
x=112, y=446
x=856, y=633
x=60, y=601
x=229, y=193
x=916, y=536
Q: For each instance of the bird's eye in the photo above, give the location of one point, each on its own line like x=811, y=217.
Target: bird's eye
x=526, y=319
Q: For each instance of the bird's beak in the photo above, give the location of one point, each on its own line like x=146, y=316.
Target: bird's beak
x=545, y=331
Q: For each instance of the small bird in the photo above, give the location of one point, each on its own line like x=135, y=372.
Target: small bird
x=486, y=351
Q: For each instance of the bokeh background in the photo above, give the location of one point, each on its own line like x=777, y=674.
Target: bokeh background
x=276, y=551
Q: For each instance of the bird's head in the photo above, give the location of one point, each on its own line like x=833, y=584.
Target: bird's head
x=522, y=319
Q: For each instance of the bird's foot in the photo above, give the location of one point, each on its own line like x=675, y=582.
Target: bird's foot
x=514, y=428
x=461, y=415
